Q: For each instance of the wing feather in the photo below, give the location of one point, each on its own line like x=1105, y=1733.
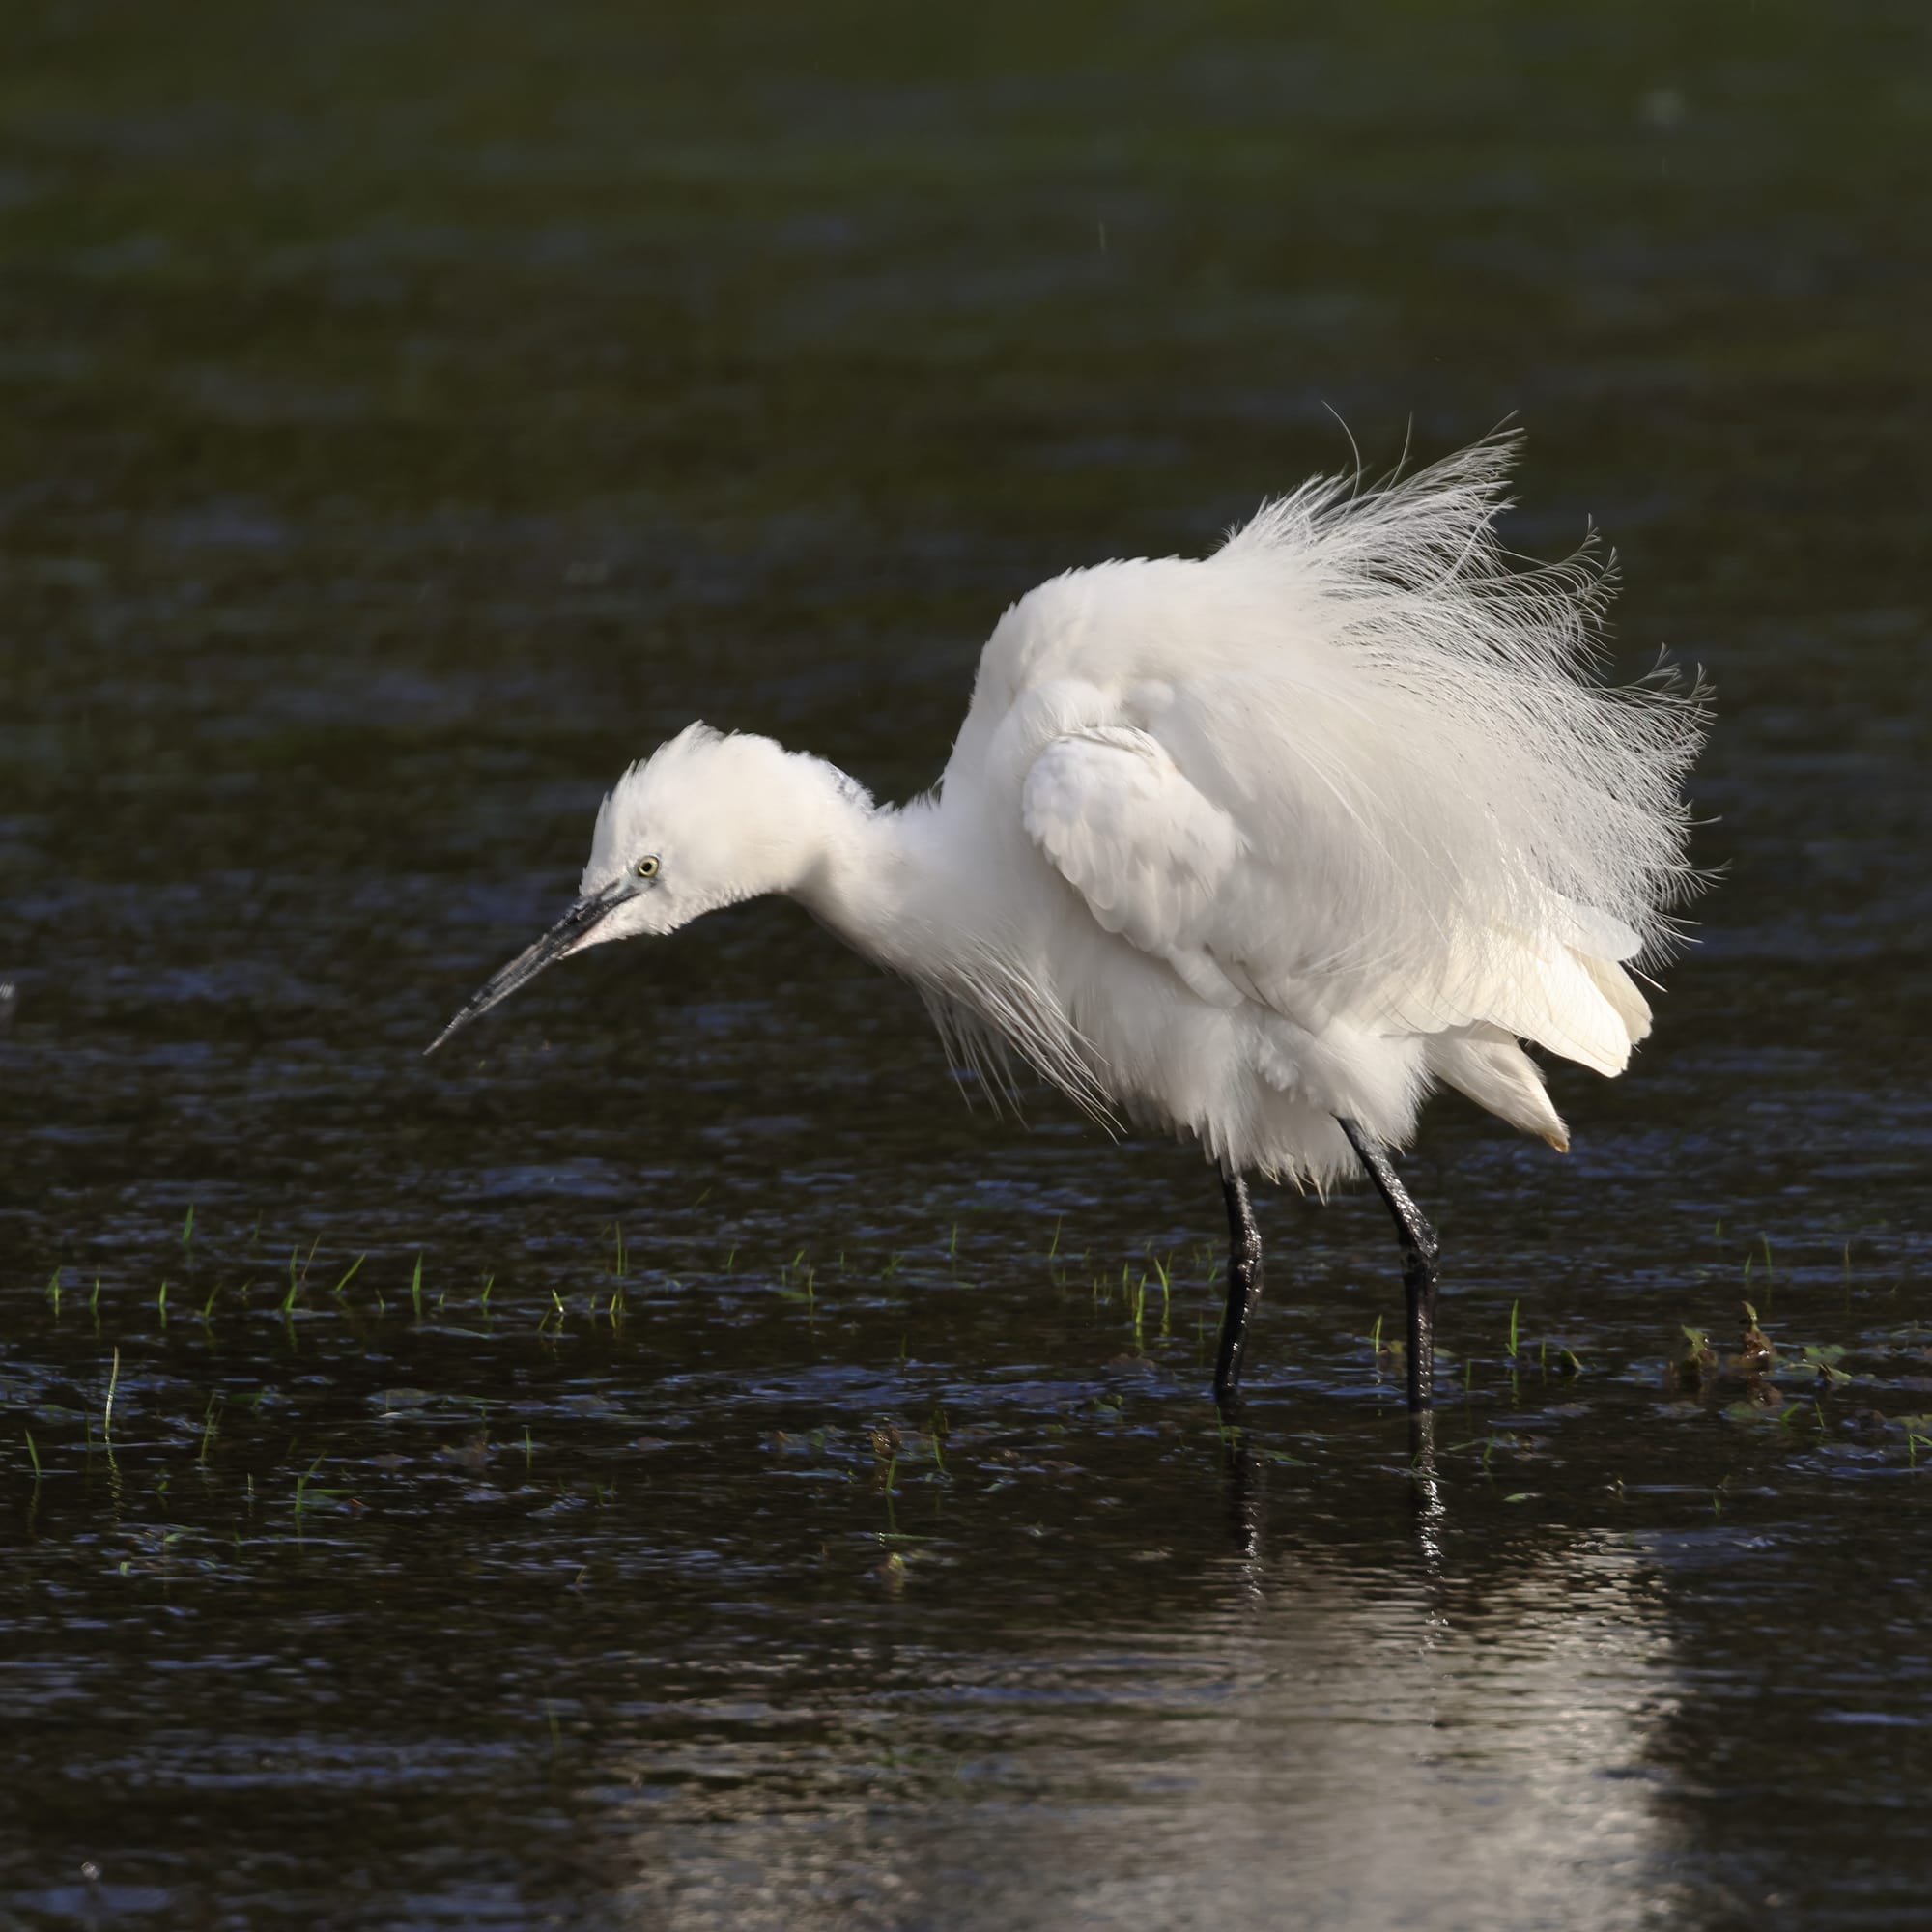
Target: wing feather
x=1137, y=842
x=1162, y=866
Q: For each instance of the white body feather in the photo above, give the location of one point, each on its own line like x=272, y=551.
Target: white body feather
x=1239, y=845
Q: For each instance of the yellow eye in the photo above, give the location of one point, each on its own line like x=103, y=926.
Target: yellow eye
x=647, y=869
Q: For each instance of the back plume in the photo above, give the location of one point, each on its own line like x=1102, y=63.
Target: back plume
x=1403, y=728
x=1444, y=719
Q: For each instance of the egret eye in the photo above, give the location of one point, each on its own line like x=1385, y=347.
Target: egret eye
x=647, y=869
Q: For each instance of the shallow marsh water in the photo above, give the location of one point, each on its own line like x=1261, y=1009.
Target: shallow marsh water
x=410, y=415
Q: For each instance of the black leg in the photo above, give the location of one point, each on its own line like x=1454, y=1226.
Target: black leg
x=1419, y=1249
x=1244, y=1287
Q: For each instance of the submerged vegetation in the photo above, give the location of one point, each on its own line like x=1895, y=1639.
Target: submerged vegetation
x=1843, y=1382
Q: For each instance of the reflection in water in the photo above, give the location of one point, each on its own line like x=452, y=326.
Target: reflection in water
x=1314, y=1745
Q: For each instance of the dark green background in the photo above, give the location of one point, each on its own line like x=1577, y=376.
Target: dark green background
x=409, y=414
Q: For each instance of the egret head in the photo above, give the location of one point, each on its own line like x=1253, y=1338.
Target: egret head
x=706, y=820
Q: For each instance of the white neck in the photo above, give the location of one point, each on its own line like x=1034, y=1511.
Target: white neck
x=886, y=879
x=867, y=875
x=900, y=888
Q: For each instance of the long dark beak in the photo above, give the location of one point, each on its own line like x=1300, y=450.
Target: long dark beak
x=562, y=939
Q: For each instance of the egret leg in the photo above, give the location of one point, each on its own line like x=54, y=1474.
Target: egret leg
x=1244, y=1287
x=1419, y=1249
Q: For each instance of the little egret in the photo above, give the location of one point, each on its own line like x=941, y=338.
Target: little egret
x=1255, y=849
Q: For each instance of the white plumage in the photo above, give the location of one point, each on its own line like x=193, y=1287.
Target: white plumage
x=1340, y=817
x=1240, y=847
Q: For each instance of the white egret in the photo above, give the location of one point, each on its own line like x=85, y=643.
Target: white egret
x=1256, y=849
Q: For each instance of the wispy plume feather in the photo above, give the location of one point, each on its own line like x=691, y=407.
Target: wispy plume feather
x=1441, y=711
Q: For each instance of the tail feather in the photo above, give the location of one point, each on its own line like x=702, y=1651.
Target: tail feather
x=1487, y=1064
x=1620, y=990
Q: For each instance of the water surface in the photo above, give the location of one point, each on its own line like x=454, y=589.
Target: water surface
x=737, y=1486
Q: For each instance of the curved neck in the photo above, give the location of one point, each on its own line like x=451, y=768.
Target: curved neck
x=881, y=882
x=903, y=888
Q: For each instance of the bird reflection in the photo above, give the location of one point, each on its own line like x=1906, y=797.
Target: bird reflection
x=1313, y=1737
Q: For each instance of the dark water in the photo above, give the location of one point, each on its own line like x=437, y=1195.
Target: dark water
x=408, y=414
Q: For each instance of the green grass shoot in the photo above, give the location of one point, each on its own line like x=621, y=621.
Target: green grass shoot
x=301, y=1484
x=417, y=1287
x=349, y=1274
x=187, y=1229
x=32, y=1454
x=1515, y=1307
x=54, y=1292
x=113, y=1382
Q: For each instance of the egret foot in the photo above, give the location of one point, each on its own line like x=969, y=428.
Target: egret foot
x=1244, y=1287
x=1419, y=1250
